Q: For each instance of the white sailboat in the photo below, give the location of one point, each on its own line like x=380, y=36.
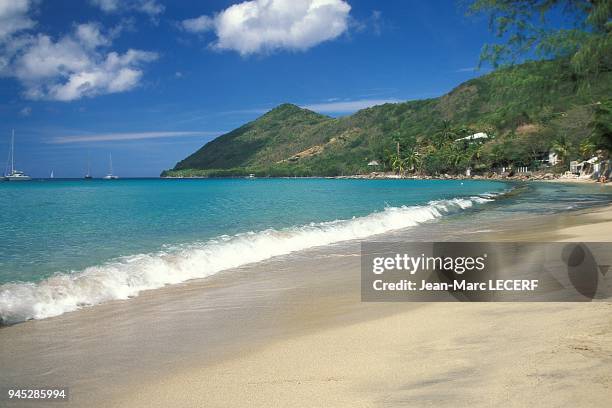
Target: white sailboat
x=110, y=175
x=88, y=175
x=52, y=175
x=15, y=175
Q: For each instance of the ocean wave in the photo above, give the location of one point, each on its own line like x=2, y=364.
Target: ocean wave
x=126, y=277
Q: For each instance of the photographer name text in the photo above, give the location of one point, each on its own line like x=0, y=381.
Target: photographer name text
x=457, y=285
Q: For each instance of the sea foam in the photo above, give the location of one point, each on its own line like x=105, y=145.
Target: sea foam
x=126, y=277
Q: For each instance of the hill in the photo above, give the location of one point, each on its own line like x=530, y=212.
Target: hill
x=526, y=110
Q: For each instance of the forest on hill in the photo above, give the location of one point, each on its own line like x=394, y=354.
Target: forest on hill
x=558, y=103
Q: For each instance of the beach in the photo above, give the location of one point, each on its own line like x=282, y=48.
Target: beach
x=313, y=203
x=291, y=330
x=515, y=355
x=446, y=354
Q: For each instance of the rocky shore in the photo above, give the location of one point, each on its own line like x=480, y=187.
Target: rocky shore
x=488, y=176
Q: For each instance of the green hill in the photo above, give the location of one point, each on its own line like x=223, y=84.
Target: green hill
x=526, y=110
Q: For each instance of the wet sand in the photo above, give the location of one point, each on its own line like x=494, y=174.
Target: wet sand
x=593, y=225
x=292, y=331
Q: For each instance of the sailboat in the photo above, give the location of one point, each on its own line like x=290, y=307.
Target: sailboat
x=52, y=175
x=15, y=175
x=88, y=175
x=110, y=175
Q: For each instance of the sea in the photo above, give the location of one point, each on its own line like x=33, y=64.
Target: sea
x=70, y=244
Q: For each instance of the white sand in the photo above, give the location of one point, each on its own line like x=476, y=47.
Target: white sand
x=444, y=354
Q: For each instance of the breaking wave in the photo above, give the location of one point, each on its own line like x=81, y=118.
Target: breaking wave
x=126, y=277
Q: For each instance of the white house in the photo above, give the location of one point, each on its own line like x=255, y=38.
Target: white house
x=586, y=167
x=576, y=166
x=553, y=158
x=475, y=136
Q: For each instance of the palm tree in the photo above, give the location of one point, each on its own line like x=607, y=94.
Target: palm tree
x=414, y=160
x=561, y=147
x=398, y=164
x=587, y=148
x=444, y=135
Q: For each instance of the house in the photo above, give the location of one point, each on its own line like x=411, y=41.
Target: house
x=475, y=136
x=585, y=168
x=553, y=158
x=373, y=163
x=576, y=167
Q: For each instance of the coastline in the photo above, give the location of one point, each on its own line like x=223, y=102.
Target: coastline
x=291, y=330
x=343, y=208
x=418, y=355
x=546, y=177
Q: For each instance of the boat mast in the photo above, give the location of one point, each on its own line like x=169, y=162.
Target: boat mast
x=13, y=152
x=8, y=159
x=88, y=163
x=110, y=163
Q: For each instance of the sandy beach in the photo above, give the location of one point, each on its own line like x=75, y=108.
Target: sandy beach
x=292, y=331
x=439, y=354
x=485, y=355
x=305, y=204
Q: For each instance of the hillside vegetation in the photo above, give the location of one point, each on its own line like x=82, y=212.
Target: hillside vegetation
x=526, y=110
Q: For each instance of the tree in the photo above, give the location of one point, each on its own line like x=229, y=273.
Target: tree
x=562, y=148
x=523, y=25
x=414, y=161
x=601, y=126
x=398, y=164
x=587, y=148
x=444, y=135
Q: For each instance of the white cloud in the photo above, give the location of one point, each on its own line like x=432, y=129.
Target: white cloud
x=90, y=35
x=114, y=137
x=14, y=17
x=268, y=25
x=198, y=24
x=77, y=65
x=26, y=111
x=470, y=69
x=150, y=7
x=108, y=6
x=347, y=106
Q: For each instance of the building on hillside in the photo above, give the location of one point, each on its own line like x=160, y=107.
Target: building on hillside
x=553, y=158
x=476, y=136
x=575, y=167
x=591, y=167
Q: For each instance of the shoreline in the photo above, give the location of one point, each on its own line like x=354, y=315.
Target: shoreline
x=292, y=331
x=526, y=355
x=548, y=177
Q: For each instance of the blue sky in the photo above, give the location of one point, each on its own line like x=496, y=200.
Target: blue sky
x=150, y=81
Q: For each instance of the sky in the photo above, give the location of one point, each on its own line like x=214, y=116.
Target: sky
x=151, y=81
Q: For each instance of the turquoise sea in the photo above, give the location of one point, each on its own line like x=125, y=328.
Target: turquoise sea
x=65, y=244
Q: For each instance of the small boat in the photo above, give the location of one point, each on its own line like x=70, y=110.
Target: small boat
x=51, y=176
x=88, y=175
x=110, y=175
x=15, y=175
x=251, y=175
